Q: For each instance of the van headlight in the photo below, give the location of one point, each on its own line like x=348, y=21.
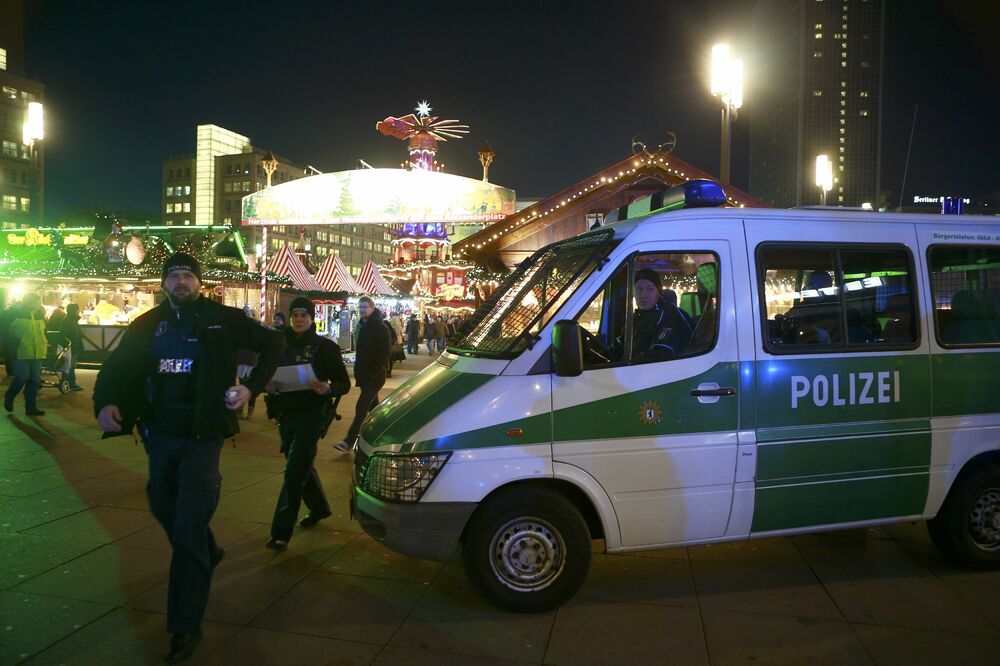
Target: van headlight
x=397, y=477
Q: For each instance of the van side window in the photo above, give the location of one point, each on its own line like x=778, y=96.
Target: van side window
x=965, y=283
x=827, y=298
x=657, y=307
x=602, y=320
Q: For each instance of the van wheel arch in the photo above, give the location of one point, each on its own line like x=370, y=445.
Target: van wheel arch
x=965, y=527
x=570, y=491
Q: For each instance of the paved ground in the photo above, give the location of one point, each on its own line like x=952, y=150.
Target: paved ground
x=83, y=567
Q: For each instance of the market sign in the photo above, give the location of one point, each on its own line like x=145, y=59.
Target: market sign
x=33, y=237
x=378, y=196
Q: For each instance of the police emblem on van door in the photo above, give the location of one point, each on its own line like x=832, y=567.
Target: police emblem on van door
x=650, y=412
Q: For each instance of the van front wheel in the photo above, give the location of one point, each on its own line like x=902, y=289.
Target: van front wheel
x=527, y=550
x=967, y=528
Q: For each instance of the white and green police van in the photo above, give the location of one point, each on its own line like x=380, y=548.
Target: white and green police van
x=842, y=370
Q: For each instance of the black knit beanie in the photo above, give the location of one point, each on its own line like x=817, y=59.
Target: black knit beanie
x=302, y=303
x=181, y=261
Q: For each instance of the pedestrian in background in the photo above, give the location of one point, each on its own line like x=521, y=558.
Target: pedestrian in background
x=428, y=330
x=303, y=416
x=412, y=334
x=441, y=333
x=370, y=364
x=173, y=374
x=278, y=321
x=73, y=337
x=29, y=344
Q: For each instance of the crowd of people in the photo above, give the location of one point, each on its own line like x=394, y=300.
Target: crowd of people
x=180, y=376
x=29, y=340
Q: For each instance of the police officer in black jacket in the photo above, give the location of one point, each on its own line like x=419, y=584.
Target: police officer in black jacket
x=303, y=416
x=173, y=374
x=370, y=364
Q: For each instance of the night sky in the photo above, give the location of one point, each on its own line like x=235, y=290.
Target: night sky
x=558, y=88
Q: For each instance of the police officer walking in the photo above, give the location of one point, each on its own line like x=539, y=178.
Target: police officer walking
x=370, y=364
x=173, y=375
x=303, y=417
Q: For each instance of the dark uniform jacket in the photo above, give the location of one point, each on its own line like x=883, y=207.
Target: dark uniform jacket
x=324, y=356
x=220, y=331
x=660, y=332
x=372, y=356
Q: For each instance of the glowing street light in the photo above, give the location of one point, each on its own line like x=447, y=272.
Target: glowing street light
x=727, y=85
x=824, y=176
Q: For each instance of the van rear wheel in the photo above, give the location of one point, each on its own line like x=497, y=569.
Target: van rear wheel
x=967, y=528
x=527, y=550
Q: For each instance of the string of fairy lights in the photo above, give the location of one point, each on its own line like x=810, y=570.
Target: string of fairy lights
x=568, y=197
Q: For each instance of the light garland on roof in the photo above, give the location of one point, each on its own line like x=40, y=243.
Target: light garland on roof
x=610, y=178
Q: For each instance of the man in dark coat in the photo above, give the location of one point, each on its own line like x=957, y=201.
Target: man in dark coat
x=173, y=374
x=370, y=363
x=303, y=416
x=70, y=332
x=412, y=334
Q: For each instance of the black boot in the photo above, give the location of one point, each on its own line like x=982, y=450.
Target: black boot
x=182, y=646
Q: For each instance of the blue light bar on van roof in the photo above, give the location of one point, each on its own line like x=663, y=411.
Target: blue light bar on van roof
x=692, y=194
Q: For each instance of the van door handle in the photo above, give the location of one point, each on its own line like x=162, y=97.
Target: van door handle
x=708, y=393
x=717, y=392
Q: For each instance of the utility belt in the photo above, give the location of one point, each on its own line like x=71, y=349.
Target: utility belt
x=329, y=414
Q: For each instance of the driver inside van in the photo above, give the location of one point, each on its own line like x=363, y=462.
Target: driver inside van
x=659, y=328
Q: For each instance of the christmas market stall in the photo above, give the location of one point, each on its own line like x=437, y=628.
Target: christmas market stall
x=112, y=271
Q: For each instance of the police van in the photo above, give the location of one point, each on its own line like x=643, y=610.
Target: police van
x=794, y=371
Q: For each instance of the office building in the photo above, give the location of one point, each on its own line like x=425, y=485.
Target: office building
x=208, y=188
x=22, y=154
x=816, y=79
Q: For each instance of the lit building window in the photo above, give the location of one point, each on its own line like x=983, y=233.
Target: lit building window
x=10, y=92
x=819, y=35
x=864, y=64
x=843, y=63
x=819, y=26
x=187, y=207
x=170, y=208
x=187, y=190
x=864, y=93
x=9, y=202
x=817, y=54
x=842, y=139
x=3, y=59
x=170, y=191
x=25, y=204
x=864, y=113
x=187, y=221
x=817, y=93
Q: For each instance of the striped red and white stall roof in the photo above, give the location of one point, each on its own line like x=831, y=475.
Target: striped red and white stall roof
x=285, y=262
x=334, y=276
x=372, y=282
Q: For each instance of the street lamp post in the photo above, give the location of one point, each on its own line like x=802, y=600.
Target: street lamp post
x=727, y=85
x=270, y=165
x=33, y=130
x=824, y=177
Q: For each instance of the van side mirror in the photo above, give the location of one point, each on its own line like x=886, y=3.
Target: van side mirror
x=567, y=348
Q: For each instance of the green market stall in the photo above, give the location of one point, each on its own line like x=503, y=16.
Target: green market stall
x=113, y=273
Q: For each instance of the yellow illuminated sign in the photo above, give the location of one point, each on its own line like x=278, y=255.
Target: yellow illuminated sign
x=379, y=196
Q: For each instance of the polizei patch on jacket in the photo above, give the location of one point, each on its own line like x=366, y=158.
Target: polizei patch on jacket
x=176, y=366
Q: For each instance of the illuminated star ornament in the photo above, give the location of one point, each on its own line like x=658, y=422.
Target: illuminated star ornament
x=422, y=133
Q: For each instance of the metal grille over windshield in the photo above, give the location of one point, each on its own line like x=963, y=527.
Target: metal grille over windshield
x=510, y=319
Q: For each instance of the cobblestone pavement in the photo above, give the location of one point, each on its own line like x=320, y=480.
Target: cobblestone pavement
x=83, y=568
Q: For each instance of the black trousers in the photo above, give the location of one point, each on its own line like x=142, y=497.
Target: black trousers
x=299, y=435
x=183, y=490
x=366, y=402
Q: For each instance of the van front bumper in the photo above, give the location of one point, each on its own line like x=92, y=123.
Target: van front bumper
x=425, y=530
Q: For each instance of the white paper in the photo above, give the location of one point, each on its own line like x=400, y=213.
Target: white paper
x=294, y=377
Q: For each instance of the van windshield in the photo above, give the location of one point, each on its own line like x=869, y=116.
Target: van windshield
x=518, y=310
